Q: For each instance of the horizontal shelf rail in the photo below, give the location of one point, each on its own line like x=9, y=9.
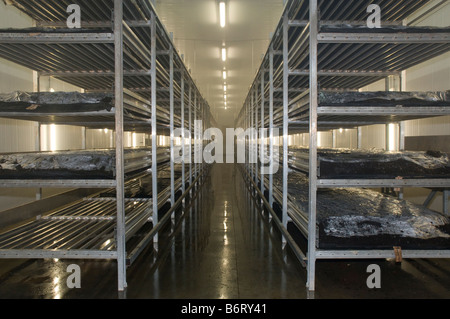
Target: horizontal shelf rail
x=56, y=38
x=368, y=183
x=86, y=183
x=383, y=38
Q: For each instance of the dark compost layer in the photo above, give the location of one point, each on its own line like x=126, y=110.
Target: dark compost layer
x=366, y=219
x=83, y=164
x=379, y=164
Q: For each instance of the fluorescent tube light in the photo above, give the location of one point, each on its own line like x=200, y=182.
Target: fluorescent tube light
x=222, y=8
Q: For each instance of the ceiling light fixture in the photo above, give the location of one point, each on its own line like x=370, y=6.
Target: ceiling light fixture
x=222, y=8
x=224, y=54
x=224, y=74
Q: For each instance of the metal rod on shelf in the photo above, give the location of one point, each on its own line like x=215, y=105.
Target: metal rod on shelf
x=313, y=87
x=271, y=127
x=383, y=38
x=255, y=133
x=380, y=254
x=285, y=119
x=445, y=204
x=190, y=133
x=120, y=172
x=252, y=136
x=263, y=146
x=154, y=126
x=195, y=135
x=183, y=137
x=172, y=172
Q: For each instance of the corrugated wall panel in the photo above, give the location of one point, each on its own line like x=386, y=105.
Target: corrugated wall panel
x=346, y=138
x=373, y=137
x=17, y=136
x=99, y=139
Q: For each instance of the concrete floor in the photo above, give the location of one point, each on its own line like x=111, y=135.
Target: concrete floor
x=222, y=249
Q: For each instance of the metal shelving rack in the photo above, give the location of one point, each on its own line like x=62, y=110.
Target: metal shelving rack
x=303, y=56
x=122, y=48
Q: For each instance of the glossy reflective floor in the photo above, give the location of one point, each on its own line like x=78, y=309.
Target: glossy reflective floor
x=223, y=249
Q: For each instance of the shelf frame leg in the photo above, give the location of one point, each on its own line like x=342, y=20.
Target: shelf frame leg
x=271, y=129
x=120, y=173
x=285, y=120
x=190, y=137
x=183, y=139
x=445, y=205
x=313, y=86
x=154, y=130
x=262, y=135
x=171, y=124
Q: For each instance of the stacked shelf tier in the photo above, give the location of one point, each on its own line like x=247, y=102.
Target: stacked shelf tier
x=133, y=79
x=322, y=53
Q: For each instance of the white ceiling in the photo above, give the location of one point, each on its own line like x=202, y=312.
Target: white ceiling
x=199, y=37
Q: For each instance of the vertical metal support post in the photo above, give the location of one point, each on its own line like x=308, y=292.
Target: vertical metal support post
x=249, y=123
x=190, y=135
x=195, y=134
x=203, y=131
x=386, y=136
x=172, y=154
x=154, y=129
x=401, y=136
x=271, y=137
x=252, y=136
x=313, y=87
x=245, y=139
x=262, y=135
x=445, y=195
x=183, y=138
x=401, y=147
x=83, y=138
x=285, y=118
x=359, y=132
x=38, y=146
x=201, y=144
x=120, y=175
x=255, y=134
x=334, y=141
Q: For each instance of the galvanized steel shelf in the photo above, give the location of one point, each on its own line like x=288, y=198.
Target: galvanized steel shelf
x=122, y=48
x=84, y=229
x=333, y=51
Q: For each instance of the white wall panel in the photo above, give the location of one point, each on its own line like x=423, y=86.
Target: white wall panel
x=346, y=138
x=433, y=75
x=10, y=17
x=377, y=86
x=13, y=77
x=17, y=136
x=325, y=139
x=99, y=139
x=373, y=136
x=48, y=83
x=61, y=137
